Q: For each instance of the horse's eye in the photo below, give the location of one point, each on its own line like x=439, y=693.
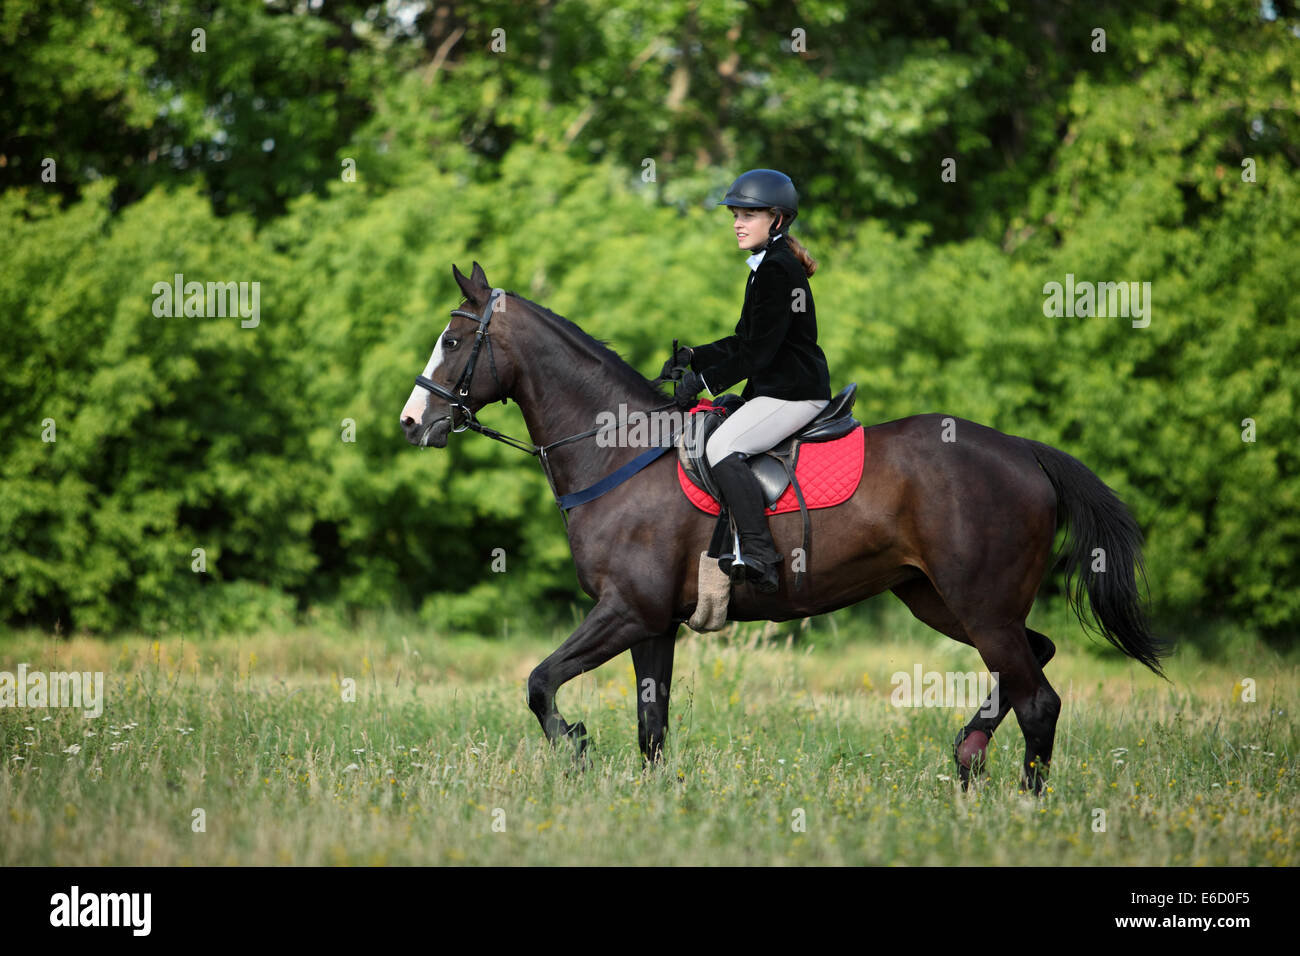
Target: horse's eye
x=449, y=342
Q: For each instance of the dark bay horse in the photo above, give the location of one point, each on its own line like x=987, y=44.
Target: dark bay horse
x=955, y=518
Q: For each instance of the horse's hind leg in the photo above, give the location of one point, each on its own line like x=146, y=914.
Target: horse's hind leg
x=1008, y=655
x=653, y=661
x=969, y=749
x=971, y=746
x=1021, y=655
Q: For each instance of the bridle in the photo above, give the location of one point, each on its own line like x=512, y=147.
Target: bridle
x=458, y=397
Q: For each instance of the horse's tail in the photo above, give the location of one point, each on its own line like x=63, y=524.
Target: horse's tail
x=1096, y=518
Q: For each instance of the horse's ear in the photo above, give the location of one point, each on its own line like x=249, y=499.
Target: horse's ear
x=479, y=276
x=472, y=289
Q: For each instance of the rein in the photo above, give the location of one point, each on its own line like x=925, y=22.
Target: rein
x=458, y=398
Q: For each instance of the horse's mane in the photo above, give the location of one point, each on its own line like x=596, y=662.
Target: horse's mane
x=623, y=370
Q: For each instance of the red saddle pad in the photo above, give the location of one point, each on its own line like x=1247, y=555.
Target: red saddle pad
x=828, y=473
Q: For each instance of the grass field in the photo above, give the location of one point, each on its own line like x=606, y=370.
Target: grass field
x=784, y=749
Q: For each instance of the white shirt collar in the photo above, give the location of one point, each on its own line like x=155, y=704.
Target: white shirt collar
x=757, y=257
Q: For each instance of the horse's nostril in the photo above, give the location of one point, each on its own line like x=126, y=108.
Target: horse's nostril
x=407, y=421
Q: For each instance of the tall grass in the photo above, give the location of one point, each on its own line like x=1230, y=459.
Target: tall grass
x=784, y=749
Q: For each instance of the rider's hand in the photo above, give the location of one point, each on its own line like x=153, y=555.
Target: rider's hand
x=680, y=360
x=687, y=388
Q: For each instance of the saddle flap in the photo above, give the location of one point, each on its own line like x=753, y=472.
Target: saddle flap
x=771, y=475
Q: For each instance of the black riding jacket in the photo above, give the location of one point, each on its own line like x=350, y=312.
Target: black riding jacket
x=775, y=342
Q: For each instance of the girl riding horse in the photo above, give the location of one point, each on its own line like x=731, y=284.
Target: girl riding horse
x=775, y=348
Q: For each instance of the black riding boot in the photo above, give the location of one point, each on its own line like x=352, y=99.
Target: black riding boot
x=744, y=498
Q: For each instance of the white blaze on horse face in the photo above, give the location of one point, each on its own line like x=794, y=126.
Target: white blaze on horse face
x=419, y=400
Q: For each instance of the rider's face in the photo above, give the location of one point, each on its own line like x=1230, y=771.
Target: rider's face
x=751, y=226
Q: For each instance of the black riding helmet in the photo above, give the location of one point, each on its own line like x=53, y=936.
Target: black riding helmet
x=764, y=188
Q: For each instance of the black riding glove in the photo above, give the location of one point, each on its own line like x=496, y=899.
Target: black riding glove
x=681, y=360
x=687, y=388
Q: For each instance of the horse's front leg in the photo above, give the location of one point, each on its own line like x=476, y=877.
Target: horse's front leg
x=653, y=662
x=610, y=629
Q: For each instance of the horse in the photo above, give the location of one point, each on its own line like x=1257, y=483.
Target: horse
x=955, y=518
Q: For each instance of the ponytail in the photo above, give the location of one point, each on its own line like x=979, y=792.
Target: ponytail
x=805, y=259
x=800, y=253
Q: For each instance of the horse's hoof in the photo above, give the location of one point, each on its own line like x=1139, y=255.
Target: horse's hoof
x=1035, y=786
x=578, y=734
